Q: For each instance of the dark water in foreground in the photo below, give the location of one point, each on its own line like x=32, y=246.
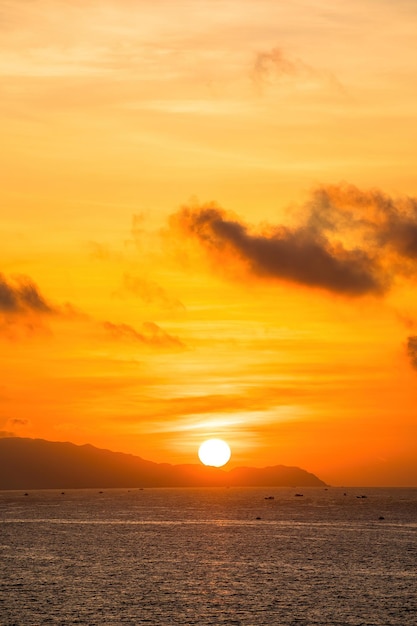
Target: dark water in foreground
x=200, y=556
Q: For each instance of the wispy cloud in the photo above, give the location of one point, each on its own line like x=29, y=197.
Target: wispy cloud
x=381, y=222
x=6, y=433
x=15, y=427
x=151, y=293
x=102, y=252
x=150, y=334
x=18, y=421
x=24, y=310
x=22, y=295
x=274, y=66
x=412, y=350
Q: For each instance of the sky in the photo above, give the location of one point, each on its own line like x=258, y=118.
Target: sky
x=209, y=229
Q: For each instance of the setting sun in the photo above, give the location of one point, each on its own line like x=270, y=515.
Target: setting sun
x=214, y=452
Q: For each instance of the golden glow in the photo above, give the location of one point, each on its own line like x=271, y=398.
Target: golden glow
x=214, y=452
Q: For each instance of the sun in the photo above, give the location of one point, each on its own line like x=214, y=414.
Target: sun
x=214, y=452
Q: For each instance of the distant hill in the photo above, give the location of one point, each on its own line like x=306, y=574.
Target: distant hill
x=39, y=464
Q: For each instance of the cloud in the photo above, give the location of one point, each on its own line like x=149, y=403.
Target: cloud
x=17, y=421
x=343, y=239
x=22, y=296
x=273, y=63
x=151, y=293
x=378, y=219
x=102, y=252
x=300, y=254
x=273, y=66
x=150, y=334
x=412, y=350
x=23, y=309
x=25, y=312
x=15, y=426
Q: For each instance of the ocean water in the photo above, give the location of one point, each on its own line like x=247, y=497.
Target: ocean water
x=203, y=556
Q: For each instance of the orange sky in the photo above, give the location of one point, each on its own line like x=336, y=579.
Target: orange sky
x=209, y=217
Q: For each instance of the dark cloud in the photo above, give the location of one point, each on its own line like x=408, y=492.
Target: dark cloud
x=302, y=254
x=18, y=421
x=151, y=335
x=412, y=350
x=22, y=296
x=12, y=423
x=377, y=219
x=345, y=240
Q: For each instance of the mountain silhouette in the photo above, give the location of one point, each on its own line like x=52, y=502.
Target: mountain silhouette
x=39, y=464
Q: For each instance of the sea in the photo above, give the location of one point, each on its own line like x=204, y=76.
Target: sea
x=237, y=556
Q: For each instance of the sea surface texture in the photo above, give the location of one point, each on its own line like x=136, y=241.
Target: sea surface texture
x=247, y=557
